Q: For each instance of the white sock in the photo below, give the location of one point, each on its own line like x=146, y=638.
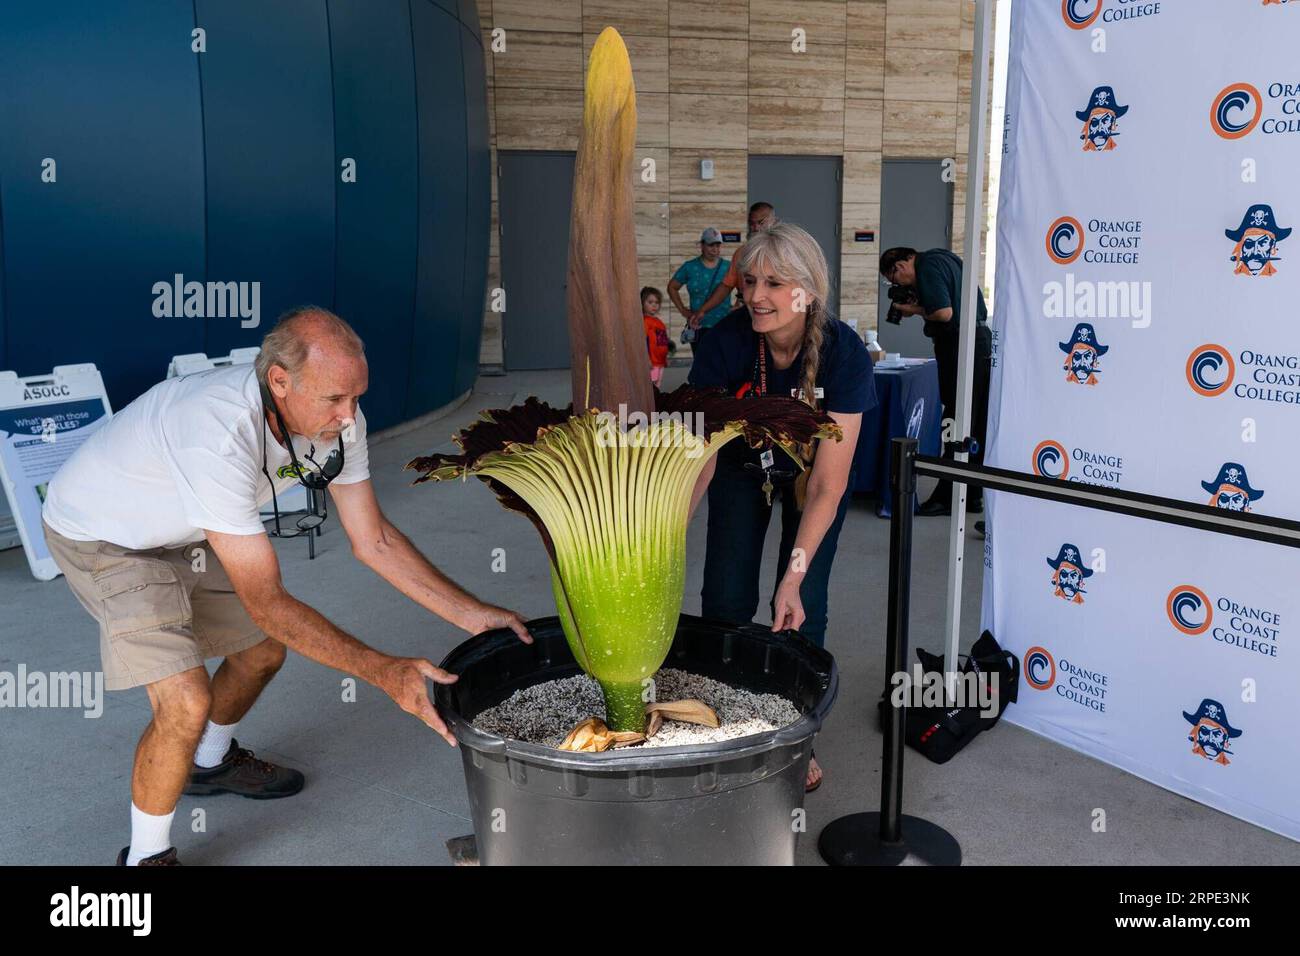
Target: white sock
x=149, y=834
x=214, y=744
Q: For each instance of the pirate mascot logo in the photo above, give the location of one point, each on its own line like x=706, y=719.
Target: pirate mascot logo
x=1257, y=239
x=1231, y=491
x=1100, y=121
x=1069, y=574
x=1081, y=355
x=1211, y=733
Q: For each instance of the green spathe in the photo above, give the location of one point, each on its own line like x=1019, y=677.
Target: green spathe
x=617, y=514
x=612, y=508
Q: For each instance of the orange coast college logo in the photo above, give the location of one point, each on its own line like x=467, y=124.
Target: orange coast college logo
x=1211, y=734
x=1040, y=668
x=1068, y=574
x=1051, y=460
x=1106, y=240
x=1100, y=121
x=1065, y=238
x=1259, y=374
x=1240, y=108
x=1189, y=610
x=1210, y=370
x=1236, y=111
x=1082, y=355
x=1080, y=14
x=1230, y=622
x=1077, y=683
x=1257, y=240
x=1089, y=466
x=1231, y=490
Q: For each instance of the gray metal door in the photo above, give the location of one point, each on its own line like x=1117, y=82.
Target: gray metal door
x=916, y=211
x=534, y=191
x=805, y=190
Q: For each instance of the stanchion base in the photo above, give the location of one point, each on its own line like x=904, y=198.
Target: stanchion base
x=854, y=840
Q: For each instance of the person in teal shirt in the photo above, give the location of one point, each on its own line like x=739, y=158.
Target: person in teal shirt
x=701, y=276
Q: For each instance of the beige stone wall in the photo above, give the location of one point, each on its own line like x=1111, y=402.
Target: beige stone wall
x=879, y=78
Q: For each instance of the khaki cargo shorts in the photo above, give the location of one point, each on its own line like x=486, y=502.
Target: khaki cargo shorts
x=158, y=613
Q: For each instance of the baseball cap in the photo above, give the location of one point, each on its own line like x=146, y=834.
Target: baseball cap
x=710, y=235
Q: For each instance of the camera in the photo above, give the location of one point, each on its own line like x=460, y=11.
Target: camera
x=900, y=295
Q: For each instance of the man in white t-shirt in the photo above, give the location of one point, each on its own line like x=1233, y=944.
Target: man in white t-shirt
x=155, y=523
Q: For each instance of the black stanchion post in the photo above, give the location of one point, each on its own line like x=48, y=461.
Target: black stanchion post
x=888, y=838
x=902, y=484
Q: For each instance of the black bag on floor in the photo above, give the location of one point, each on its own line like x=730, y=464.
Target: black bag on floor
x=939, y=732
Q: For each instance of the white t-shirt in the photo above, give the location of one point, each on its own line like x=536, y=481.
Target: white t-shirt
x=183, y=458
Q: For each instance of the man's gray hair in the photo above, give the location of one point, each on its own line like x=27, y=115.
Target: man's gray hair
x=288, y=343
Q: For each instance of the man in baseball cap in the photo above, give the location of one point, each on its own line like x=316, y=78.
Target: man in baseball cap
x=701, y=276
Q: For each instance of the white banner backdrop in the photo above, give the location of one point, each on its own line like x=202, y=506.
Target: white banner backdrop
x=1147, y=338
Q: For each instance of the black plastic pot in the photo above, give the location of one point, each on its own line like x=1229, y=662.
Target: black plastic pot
x=731, y=803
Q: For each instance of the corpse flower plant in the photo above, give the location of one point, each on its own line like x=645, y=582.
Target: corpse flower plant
x=608, y=480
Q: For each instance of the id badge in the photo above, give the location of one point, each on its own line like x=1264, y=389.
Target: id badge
x=767, y=459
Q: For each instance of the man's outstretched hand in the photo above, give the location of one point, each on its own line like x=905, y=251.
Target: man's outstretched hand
x=403, y=679
x=489, y=617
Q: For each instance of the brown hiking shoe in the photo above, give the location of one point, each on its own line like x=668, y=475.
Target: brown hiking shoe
x=242, y=773
x=166, y=858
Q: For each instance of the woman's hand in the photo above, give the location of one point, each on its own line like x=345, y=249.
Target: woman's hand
x=787, y=607
x=693, y=318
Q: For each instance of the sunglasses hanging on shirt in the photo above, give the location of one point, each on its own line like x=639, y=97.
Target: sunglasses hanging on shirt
x=314, y=481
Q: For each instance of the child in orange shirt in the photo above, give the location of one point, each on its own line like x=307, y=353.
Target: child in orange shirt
x=656, y=335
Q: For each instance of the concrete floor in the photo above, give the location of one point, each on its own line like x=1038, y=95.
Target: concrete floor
x=382, y=789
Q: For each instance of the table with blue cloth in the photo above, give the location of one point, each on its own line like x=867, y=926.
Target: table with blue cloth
x=907, y=405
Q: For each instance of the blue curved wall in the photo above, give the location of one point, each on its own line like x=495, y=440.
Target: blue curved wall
x=225, y=166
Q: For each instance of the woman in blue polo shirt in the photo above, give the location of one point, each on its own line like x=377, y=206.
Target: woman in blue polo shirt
x=781, y=351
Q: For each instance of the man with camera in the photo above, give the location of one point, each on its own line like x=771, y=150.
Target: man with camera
x=928, y=284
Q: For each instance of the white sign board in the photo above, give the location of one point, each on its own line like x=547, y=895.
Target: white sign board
x=43, y=420
x=188, y=364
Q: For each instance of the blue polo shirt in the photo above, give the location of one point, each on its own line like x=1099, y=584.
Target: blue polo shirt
x=845, y=374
